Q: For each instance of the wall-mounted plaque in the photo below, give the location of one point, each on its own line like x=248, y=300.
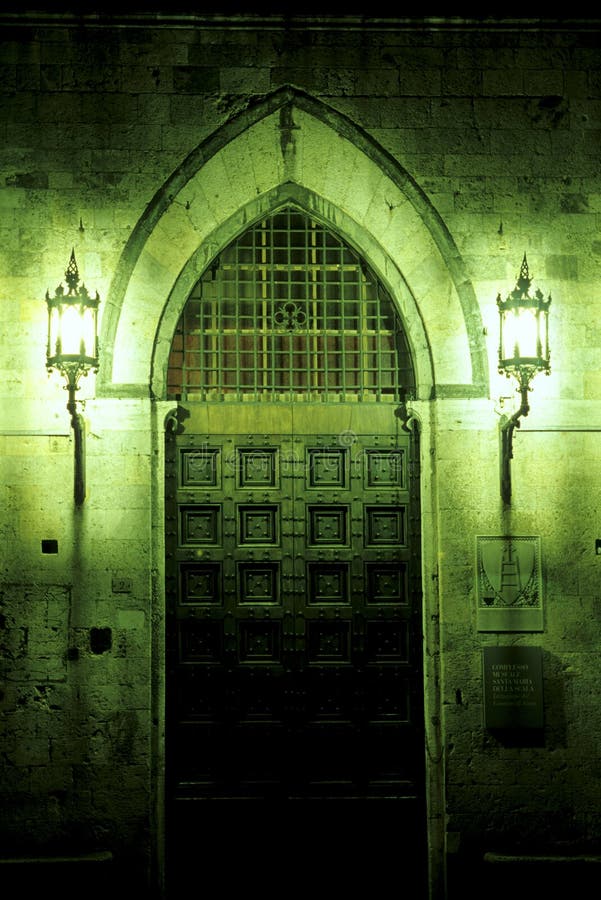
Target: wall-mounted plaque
x=513, y=687
x=509, y=583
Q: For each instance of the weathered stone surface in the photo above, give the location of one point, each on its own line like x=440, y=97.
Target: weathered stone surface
x=443, y=154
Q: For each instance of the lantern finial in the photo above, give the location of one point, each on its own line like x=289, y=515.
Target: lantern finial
x=72, y=274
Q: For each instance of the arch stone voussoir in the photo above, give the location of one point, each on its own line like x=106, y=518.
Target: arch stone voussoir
x=290, y=147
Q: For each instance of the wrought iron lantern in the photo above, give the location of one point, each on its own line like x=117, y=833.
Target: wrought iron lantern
x=73, y=351
x=523, y=352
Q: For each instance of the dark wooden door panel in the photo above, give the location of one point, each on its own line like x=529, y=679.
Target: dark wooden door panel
x=293, y=617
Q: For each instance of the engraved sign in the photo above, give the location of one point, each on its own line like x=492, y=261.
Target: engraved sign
x=513, y=687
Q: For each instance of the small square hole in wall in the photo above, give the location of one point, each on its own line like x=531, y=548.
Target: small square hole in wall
x=49, y=545
x=101, y=640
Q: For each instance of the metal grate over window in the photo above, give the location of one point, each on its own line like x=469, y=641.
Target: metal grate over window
x=289, y=309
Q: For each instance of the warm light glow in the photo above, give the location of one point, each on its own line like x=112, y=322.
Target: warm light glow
x=72, y=327
x=521, y=335
x=71, y=331
x=523, y=344
x=77, y=331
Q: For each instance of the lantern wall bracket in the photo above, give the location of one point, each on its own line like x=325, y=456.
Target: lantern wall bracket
x=73, y=355
x=79, y=446
x=523, y=352
x=507, y=427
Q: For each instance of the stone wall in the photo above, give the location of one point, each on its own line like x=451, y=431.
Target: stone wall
x=482, y=141
x=76, y=642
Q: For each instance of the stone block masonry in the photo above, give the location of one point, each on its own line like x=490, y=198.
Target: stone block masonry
x=443, y=151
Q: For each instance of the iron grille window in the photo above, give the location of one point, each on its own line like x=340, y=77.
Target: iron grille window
x=289, y=309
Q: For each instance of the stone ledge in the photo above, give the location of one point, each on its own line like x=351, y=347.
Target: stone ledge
x=101, y=856
x=540, y=859
x=70, y=876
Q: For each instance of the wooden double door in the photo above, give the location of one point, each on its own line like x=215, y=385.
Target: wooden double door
x=294, y=647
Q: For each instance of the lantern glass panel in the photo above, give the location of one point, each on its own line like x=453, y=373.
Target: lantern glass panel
x=54, y=347
x=72, y=331
x=88, y=331
x=523, y=337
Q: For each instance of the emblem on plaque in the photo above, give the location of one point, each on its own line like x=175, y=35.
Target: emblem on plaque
x=509, y=580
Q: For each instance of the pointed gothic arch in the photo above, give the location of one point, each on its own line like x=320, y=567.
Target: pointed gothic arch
x=293, y=194
x=292, y=147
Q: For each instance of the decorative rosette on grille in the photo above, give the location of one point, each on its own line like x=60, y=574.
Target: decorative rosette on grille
x=289, y=317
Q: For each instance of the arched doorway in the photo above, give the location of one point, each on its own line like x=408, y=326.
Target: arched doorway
x=290, y=147
x=294, y=625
